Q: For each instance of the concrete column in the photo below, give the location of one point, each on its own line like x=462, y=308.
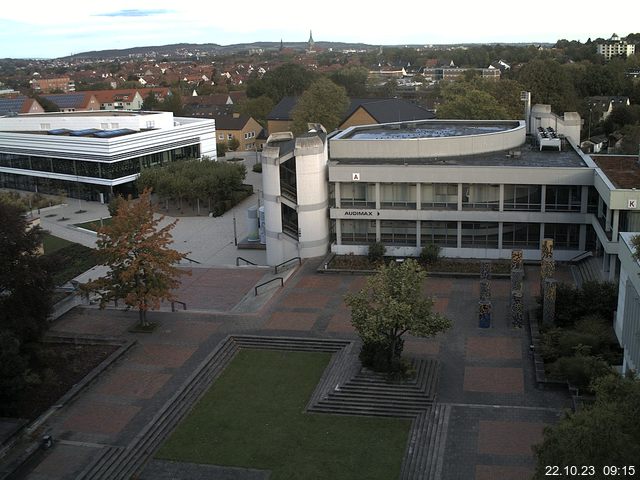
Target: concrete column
x=459, y=202
x=543, y=198
x=582, y=239
x=541, y=237
x=607, y=221
x=418, y=196
x=501, y=203
x=600, y=203
x=584, y=199
x=459, y=233
x=336, y=192
x=500, y=232
x=338, y=231
x=615, y=223
x=378, y=233
x=378, y=197
x=612, y=267
x=418, y=239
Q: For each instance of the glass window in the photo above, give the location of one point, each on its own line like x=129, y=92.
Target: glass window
x=398, y=232
x=358, y=232
x=565, y=236
x=480, y=235
x=521, y=235
x=522, y=197
x=480, y=196
x=63, y=165
x=359, y=195
x=443, y=234
x=563, y=198
x=397, y=195
x=289, y=221
x=42, y=164
x=439, y=196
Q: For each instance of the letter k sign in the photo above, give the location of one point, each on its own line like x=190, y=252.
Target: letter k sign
x=632, y=203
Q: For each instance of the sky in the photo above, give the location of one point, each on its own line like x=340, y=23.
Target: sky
x=45, y=29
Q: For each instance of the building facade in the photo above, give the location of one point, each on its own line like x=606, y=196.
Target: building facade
x=615, y=47
x=93, y=155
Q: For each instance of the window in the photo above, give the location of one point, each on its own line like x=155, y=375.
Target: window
x=480, y=197
x=359, y=195
x=522, y=197
x=221, y=136
x=439, y=196
x=397, y=195
x=289, y=221
x=480, y=235
x=565, y=236
x=521, y=235
x=398, y=232
x=358, y=232
x=563, y=198
x=229, y=136
x=443, y=234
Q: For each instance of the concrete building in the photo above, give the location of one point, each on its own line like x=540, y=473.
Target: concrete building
x=93, y=155
x=615, y=47
x=627, y=316
x=49, y=85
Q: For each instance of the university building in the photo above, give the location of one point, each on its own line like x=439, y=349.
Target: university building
x=478, y=189
x=93, y=155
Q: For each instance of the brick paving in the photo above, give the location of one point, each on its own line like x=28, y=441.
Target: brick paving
x=486, y=374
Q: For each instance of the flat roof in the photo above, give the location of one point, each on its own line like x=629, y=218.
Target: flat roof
x=91, y=113
x=526, y=155
x=622, y=170
x=426, y=129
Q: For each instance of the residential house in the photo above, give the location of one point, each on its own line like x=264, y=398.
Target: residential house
x=615, y=47
x=244, y=129
x=19, y=104
x=74, y=102
x=47, y=85
x=361, y=111
x=601, y=107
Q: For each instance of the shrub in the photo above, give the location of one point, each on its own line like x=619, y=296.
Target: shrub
x=581, y=371
x=376, y=252
x=257, y=168
x=233, y=144
x=221, y=149
x=377, y=356
x=114, y=204
x=430, y=254
x=594, y=298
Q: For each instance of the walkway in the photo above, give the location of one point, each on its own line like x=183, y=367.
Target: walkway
x=486, y=379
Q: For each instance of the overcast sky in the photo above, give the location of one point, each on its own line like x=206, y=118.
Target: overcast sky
x=48, y=29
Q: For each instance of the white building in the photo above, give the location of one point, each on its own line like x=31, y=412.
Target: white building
x=95, y=154
x=615, y=47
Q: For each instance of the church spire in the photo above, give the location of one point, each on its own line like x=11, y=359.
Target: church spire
x=311, y=43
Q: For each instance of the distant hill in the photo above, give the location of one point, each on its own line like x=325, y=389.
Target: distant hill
x=210, y=49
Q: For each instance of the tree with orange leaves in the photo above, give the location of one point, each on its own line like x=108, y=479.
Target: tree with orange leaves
x=142, y=269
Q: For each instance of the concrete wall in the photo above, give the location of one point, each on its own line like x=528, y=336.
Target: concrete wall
x=83, y=120
x=345, y=148
x=568, y=125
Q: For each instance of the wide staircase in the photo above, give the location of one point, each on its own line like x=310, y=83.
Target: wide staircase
x=587, y=268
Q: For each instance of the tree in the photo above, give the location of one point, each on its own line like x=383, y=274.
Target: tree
x=173, y=103
x=550, y=84
x=257, y=108
x=471, y=105
x=353, y=79
x=323, y=102
x=26, y=284
x=150, y=102
x=390, y=305
x=606, y=433
x=26, y=287
x=286, y=80
x=141, y=265
x=233, y=144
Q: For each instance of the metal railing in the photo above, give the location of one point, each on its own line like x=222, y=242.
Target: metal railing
x=287, y=261
x=173, y=305
x=255, y=290
x=192, y=260
x=249, y=262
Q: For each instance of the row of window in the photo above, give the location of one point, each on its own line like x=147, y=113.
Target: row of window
x=105, y=170
x=444, y=196
x=247, y=136
x=472, y=234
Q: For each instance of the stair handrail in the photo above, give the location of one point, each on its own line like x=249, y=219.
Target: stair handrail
x=581, y=256
x=255, y=290
x=287, y=261
x=249, y=262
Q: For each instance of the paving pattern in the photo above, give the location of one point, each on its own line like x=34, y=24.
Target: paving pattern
x=493, y=409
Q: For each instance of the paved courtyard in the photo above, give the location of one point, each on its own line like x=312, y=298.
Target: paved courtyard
x=497, y=413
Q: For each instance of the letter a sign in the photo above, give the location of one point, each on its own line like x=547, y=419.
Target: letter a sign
x=355, y=177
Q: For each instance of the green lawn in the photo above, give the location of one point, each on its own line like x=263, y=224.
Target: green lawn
x=69, y=259
x=253, y=416
x=94, y=225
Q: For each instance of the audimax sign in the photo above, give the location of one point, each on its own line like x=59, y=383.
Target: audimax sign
x=361, y=213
